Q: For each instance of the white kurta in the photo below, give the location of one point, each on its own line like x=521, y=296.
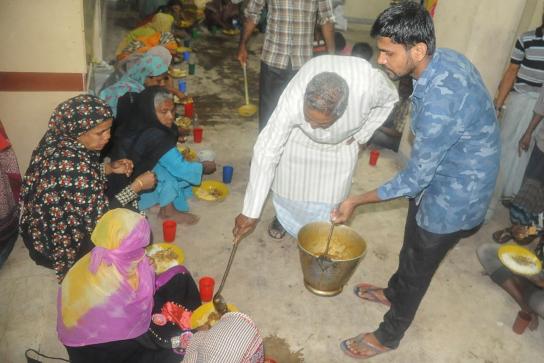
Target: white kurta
x=316, y=165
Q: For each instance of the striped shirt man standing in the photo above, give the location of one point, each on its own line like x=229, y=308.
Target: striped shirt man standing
x=516, y=98
x=287, y=45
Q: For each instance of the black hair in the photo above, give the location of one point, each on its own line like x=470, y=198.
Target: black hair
x=362, y=50
x=406, y=23
x=339, y=42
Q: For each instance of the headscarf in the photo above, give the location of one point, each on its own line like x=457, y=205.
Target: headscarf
x=159, y=23
x=142, y=136
x=108, y=295
x=234, y=339
x=133, y=80
x=124, y=65
x=162, y=22
x=144, y=43
x=63, y=189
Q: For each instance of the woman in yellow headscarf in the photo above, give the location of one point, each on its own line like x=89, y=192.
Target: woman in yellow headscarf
x=141, y=39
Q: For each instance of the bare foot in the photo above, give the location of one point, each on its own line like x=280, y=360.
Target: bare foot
x=533, y=325
x=169, y=212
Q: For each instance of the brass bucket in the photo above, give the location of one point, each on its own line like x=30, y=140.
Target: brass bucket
x=347, y=248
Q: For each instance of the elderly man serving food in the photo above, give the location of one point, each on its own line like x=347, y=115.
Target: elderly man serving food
x=308, y=151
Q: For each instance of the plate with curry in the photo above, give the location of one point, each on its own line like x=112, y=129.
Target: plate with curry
x=211, y=191
x=164, y=256
x=520, y=260
x=206, y=314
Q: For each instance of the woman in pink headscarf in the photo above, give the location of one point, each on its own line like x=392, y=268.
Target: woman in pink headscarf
x=113, y=308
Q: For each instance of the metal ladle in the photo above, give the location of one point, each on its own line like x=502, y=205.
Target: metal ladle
x=248, y=109
x=325, y=256
x=218, y=301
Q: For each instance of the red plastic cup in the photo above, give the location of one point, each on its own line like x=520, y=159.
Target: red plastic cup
x=521, y=323
x=189, y=109
x=205, y=285
x=374, y=154
x=169, y=230
x=197, y=135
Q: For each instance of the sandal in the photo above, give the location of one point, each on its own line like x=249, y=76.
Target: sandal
x=368, y=292
x=522, y=234
x=348, y=346
x=502, y=236
x=276, y=230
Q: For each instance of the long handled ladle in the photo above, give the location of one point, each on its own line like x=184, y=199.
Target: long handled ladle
x=218, y=301
x=248, y=109
x=325, y=256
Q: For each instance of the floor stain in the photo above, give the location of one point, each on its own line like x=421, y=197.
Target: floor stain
x=278, y=349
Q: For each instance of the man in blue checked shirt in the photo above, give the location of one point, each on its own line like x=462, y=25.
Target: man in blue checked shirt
x=449, y=178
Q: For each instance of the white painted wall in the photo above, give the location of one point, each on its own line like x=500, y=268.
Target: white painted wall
x=37, y=36
x=365, y=9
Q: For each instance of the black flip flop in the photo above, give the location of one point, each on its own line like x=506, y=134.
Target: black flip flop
x=275, y=226
x=502, y=236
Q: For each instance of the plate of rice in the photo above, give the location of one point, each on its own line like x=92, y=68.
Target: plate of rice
x=520, y=260
x=164, y=256
x=206, y=314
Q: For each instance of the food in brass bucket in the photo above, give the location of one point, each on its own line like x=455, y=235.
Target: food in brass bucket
x=326, y=276
x=337, y=251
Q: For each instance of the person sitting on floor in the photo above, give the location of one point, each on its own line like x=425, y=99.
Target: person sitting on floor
x=123, y=66
x=63, y=191
x=108, y=297
x=150, y=70
x=528, y=292
x=113, y=306
x=221, y=13
x=389, y=134
x=148, y=137
x=362, y=50
x=145, y=37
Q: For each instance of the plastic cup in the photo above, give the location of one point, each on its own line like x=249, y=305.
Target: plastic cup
x=169, y=230
x=374, y=154
x=189, y=109
x=206, y=285
x=522, y=322
x=182, y=85
x=197, y=135
x=192, y=68
x=227, y=173
x=195, y=33
x=186, y=56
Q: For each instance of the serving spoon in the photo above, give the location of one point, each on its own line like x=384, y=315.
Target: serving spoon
x=218, y=301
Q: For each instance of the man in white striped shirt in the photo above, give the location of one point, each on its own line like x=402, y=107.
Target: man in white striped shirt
x=308, y=151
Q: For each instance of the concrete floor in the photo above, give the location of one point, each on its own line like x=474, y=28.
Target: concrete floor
x=463, y=318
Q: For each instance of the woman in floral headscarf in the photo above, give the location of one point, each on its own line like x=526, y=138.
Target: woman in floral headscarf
x=63, y=192
x=150, y=70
